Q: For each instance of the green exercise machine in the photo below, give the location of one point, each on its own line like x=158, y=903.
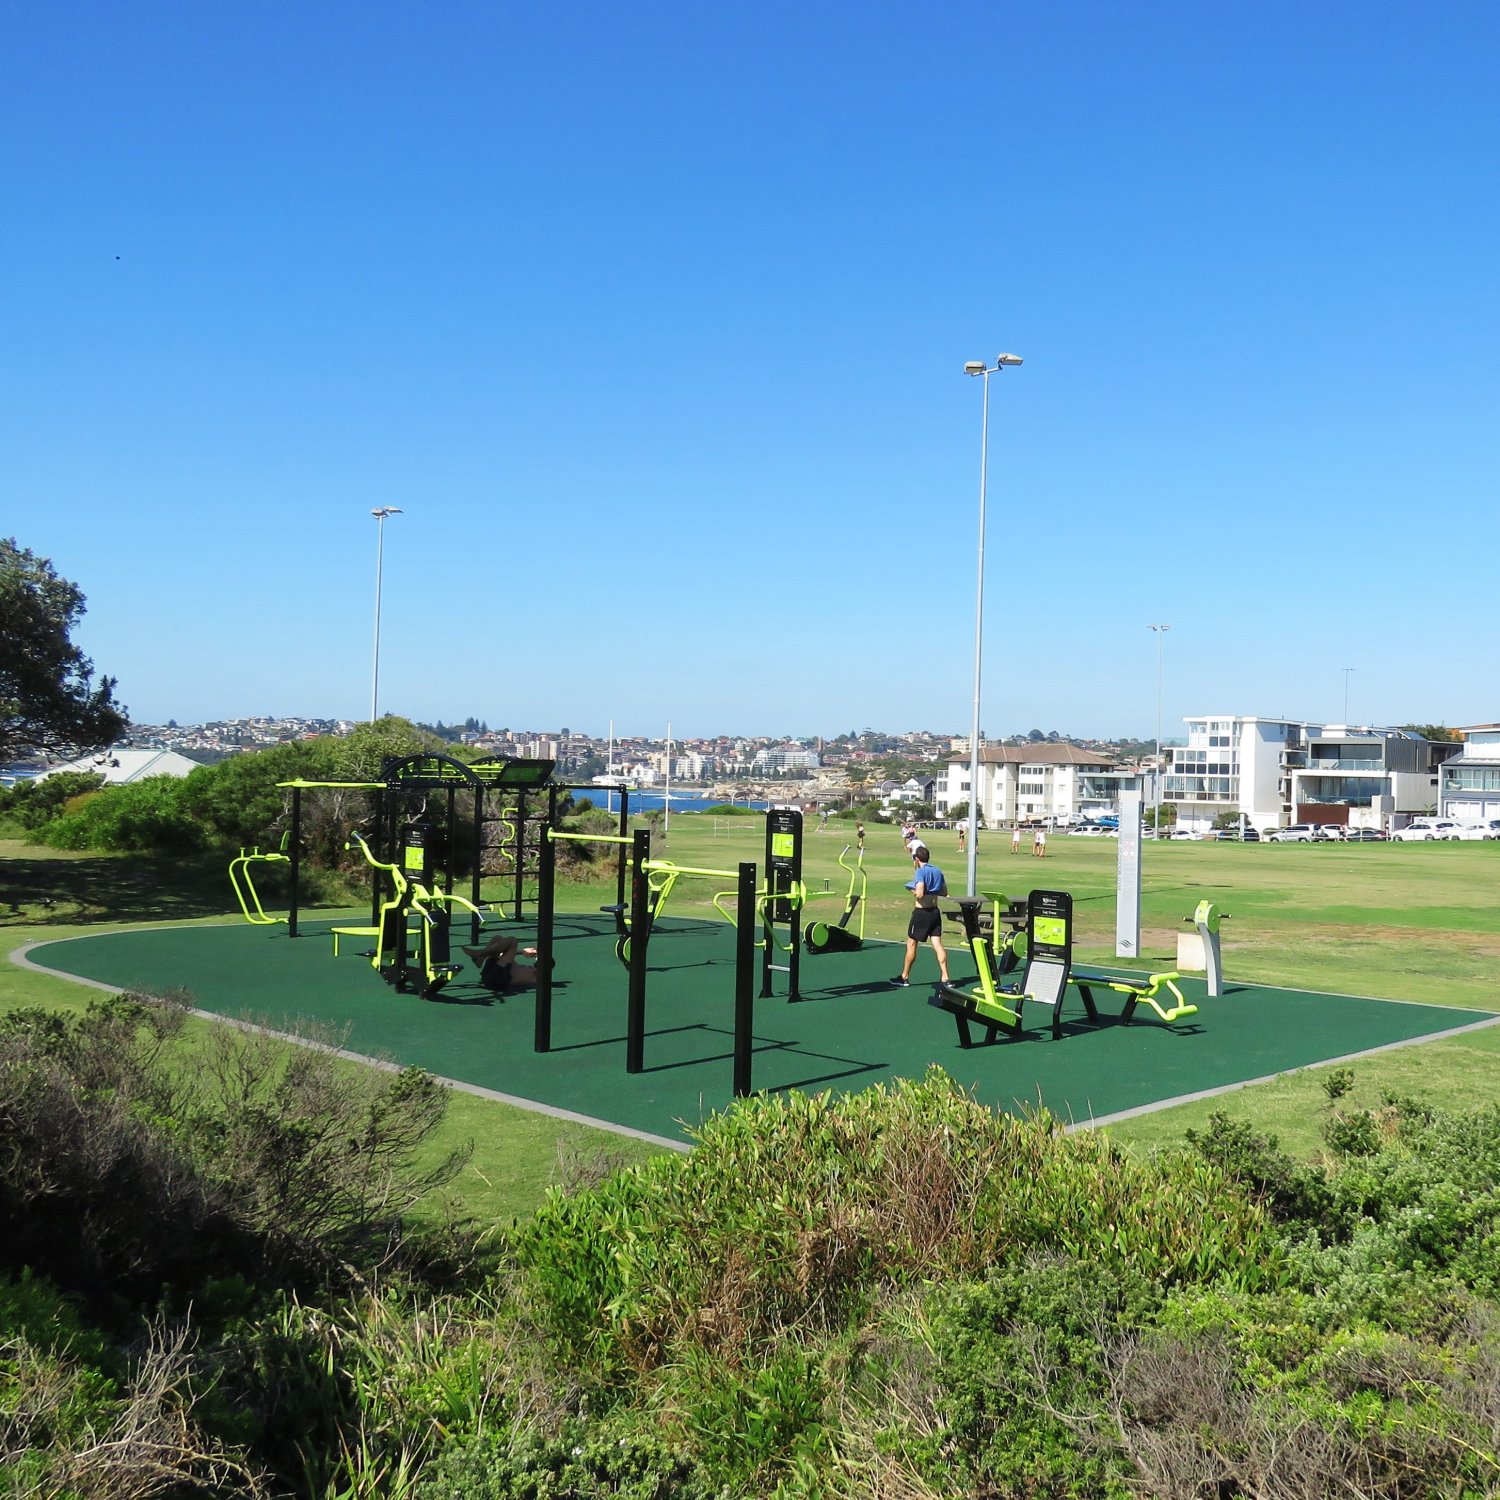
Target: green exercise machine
x=413, y=935
x=243, y=882
x=836, y=937
x=1206, y=918
x=1045, y=980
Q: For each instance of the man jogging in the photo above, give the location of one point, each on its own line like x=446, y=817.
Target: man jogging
x=926, y=924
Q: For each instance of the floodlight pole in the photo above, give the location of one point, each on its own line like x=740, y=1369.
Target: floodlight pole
x=978, y=367
x=1347, y=671
x=380, y=514
x=1160, y=630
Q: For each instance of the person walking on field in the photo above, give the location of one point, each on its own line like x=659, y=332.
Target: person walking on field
x=1039, y=844
x=963, y=837
x=1015, y=839
x=926, y=926
x=859, y=837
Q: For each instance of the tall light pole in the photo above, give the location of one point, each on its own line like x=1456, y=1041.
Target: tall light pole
x=1160, y=630
x=1347, y=671
x=380, y=514
x=978, y=367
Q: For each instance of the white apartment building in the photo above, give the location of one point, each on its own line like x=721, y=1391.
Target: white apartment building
x=1234, y=763
x=789, y=758
x=1469, y=783
x=1280, y=771
x=1024, y=782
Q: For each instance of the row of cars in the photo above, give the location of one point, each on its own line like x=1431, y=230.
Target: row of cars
x=1419, y=831
x=1424, y=830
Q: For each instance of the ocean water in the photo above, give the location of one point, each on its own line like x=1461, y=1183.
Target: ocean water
x=643, y=801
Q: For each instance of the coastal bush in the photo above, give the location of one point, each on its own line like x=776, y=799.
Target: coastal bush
x=141, y=817
x=31, y=805
x=711, y=1282
x=582, y=1458
x=133, y=1163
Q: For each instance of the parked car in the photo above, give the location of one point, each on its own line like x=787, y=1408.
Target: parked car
x=1489, y=829
x=1184, y=833
x=1088, y=830
x=1237, y=835
x=1294, y=833
x=1425, y=832
x=1329, y=832
x=1363, y=836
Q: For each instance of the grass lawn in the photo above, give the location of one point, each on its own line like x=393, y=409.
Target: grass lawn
x=1400, y=921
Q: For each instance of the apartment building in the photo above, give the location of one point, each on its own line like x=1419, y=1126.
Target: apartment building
x=1469, y=782
x=1364, y=777
x=1280, y=771
x=1234, y=763
x=1024, y=782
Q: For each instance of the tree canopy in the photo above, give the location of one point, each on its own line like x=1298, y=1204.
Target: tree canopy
x=49, y=699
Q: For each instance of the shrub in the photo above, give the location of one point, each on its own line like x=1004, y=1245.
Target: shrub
x=582, y=1458
x=33, y=804
x=142, y=817
x=133, y=1163
x=794, y=1212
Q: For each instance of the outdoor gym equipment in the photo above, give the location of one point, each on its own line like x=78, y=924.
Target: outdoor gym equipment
x=1045, y=979
x=244, y=885
x=1206, y=918
x=411, y=958
x=782, y=900
x=835, y=937
x=1136, y=993
x=414, y=781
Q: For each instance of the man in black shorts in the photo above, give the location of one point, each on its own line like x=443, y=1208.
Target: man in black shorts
x=498, y=969
x=926, y=925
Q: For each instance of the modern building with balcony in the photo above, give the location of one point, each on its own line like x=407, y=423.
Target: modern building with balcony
x=1235, y=764
x=1469, y=782
x=1021, y=783
x=1279, y=771
x=1363, y=777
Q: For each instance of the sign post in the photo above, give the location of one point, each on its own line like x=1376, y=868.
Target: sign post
x=1128, y=878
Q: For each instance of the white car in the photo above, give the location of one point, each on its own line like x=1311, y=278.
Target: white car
x=1490, y=829
x=1425, y=833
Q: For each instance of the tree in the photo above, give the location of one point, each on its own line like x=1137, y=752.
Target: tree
x=1438, y=733
x=49, y=701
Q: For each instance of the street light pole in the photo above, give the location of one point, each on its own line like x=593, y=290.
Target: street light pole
x=380, y=514
x=978, y=367
x=1347, y=671
x=1160, y=630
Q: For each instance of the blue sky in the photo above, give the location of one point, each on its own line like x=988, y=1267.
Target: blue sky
x=652, y=319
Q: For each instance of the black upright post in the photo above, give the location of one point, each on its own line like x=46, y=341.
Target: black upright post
x=545, y=900
x=620, y=848
x=640, y=940
x=520, y=850
x=449, y=850
x=296, y=858
x=744, y=980
x=476, y=869
x=377, y=843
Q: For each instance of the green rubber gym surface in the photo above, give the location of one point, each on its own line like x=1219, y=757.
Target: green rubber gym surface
x=851, y=1030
